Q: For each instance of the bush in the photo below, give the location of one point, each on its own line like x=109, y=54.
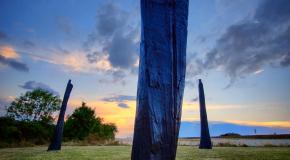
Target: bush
x=23, y=133
x=226, y=145
x=230, y=135
x=84, y=125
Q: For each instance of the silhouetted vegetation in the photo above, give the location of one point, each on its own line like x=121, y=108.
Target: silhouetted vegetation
x=29, y=122
x=230, y=135
x=23, y=133
x=268, y=136
x=84, y=124
x=36, y=105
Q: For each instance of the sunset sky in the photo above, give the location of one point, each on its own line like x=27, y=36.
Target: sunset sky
x=240, y=48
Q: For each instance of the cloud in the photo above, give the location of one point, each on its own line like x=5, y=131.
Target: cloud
x=249, y=45
x=123, y=51
x=114, y=77
x=114, y=36
x=9, y=57
x=64, y=24
x=8, y=52
x=111, y=48
x=194, y=68
x=109, y=18
x=75, y=61
x=28, y=44
x=13, y=64
x=118, y=75
x=119, y=98
x=195, y=99
x=31, y=85
x=123, y=105
x=93, y=57
x=3, y=35
x=61, y=50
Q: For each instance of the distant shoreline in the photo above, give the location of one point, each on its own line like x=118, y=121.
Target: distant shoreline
x=268, y=136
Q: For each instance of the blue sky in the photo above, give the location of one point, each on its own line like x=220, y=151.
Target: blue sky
x=241, y=50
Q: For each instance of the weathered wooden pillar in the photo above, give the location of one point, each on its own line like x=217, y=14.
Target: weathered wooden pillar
x=205, y=141
x=58, y=131
x=161, y=79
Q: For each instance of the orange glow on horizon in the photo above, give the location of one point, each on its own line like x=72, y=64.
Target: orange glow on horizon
x=124, y=117
x=280, y=124
x=111, y=113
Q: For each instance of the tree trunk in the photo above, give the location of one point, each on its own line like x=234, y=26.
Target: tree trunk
x=205, y=141
x=161, y=79
x=57, y=137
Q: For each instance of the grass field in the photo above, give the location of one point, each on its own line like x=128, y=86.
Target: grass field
x=123, y=153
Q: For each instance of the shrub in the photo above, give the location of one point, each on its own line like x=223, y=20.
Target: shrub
x=23, y=133
x=84, y=125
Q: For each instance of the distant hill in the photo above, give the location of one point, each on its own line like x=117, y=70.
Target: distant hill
x=231, y=136
x=270, y=136
x=192, y=129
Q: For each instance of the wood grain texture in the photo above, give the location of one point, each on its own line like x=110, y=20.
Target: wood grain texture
x=161, y=79
x=58, y=132
x=205, y=141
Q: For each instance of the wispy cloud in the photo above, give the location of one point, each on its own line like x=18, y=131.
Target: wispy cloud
x=28, y=44
x=119, y=98
x=73, y=61
x=123, y=105
x=249, y=45
x=195, y=99
x=3, y=35
x=31, y=85
x=8, y=52
x=115, y=37
x=63, y=24
x=8, y=57
x=14, y=64
x=77, y=62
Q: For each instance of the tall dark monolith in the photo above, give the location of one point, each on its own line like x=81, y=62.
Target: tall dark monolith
x=205, y=141
x=161, y=79
x=58, y=131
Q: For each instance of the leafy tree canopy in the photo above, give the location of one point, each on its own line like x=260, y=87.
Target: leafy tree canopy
x=36, y=105
x=83, y=122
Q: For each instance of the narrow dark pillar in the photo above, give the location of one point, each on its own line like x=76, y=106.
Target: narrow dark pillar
x=57, y=137
x=161, y=79
x=205, y=141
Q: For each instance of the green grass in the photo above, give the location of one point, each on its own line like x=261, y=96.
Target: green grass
x=123, y=153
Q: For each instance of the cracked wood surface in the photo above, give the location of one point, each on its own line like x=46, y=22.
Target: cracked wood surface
x=161, y=79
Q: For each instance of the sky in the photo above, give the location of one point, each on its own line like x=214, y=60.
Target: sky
x=240, y=49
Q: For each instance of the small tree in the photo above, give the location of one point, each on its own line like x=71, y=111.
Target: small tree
x=83, y=122
x=36, y=105
x=109, y=130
